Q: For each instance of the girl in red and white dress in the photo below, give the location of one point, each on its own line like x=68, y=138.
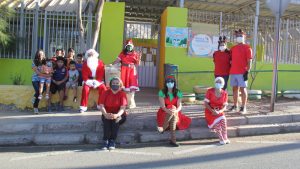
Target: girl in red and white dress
x=129, y=59
x=215, y=103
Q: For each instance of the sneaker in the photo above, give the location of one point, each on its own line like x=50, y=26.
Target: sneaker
x=160, y=130
x=75, y=99
x=222, y=142
x=105, y=145
x=232, y=108
x=243, y=110
x=35, y=110
x=112, y=145
x=47, y=96
x=227, y=141
x=81, y=111
x=174, y=144
x=40, y=97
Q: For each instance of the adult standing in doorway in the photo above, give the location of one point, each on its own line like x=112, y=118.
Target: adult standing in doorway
x=129, y=59
x=222, y=59
x=240, y=67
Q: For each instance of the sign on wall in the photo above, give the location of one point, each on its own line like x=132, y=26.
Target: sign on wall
x=203, y=40
x=176, y=37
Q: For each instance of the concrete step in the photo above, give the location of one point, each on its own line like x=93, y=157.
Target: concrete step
x=142, y=136
x=92, y=123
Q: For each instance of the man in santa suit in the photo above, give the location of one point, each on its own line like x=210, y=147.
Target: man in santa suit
x=92, y=76
x=129, y=59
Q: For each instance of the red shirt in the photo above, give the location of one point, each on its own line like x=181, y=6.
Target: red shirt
x=222, y=63
x=113, y=102
x=240, y=55
x=129, y=58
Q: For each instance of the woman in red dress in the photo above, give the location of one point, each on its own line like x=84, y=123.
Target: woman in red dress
x=129, y=59
x=222, y=60
x=113, y=103
x=215, y=103
x=169, y=115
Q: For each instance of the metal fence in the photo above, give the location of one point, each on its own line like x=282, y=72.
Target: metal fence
x=54, y=30
x=289, y=40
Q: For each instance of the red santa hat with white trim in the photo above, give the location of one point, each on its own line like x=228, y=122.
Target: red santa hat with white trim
x=91, y=52
x=129, y=42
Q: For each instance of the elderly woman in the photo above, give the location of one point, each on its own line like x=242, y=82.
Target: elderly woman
x=169, y=115
x=112, y=105
x=215, y=103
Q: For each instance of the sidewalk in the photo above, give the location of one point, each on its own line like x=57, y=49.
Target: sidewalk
x=24, y=128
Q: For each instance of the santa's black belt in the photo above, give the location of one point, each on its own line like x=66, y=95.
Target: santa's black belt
x=92, y=78
x=127, y=65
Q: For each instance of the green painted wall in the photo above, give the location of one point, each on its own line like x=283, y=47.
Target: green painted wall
x=177, y=17
x=112, y=29
x=11, y=67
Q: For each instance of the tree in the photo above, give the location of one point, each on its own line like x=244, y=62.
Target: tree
x=5, y=36
x=98, y=13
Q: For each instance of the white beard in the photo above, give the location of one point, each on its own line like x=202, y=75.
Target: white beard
x=92, y=63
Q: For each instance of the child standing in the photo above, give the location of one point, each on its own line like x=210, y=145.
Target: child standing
x=45, y=69
x=79, y=62
x=73, y=80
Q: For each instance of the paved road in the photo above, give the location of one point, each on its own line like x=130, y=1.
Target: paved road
x=259, y=152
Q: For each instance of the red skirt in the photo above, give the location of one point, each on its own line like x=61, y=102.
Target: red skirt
x=183, y=123
x=211, y=119
x=129, y=77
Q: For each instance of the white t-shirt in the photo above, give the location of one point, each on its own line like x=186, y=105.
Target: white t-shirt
x=73, y=74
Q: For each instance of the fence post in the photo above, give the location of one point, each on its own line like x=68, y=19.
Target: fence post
x=21, y=31
x=35, y=28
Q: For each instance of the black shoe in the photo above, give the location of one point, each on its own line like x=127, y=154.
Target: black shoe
x=174, y=144
x=232, y=108
x=105, y=145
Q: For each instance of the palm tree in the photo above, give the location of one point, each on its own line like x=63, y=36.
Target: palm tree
x=5, y=14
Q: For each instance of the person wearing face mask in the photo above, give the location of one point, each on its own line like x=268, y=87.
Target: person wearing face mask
x=241, y=61
x=129, y=59
x=112, y=104
x=169, y=115
x=215, y=103
x=222, y=58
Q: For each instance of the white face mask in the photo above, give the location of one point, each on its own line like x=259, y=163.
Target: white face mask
x=222, y=48
x=240, y=39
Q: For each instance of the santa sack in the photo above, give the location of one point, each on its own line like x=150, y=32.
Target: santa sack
x=110, y=72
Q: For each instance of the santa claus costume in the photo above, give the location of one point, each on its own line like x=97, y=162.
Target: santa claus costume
x=92, y=76
x=215, y=103
x=129, y=59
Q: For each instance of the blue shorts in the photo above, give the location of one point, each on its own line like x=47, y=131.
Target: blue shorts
x=237, y=80
x=45, y=80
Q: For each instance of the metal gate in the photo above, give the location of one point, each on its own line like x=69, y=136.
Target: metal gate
x=146, y=40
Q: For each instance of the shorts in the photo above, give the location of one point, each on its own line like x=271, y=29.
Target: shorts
x=45, y=80
x=71, y=84
x=54, y=87
x=237, y=80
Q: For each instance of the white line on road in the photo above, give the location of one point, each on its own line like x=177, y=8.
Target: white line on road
x=269, y=142
x=194, y=149
x=135, y=153
x=40, y=155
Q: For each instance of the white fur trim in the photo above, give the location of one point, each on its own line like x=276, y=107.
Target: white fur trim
x=216, y=121
x=134, y=87
x=226, y=104
x=129, y=45
x=206, y=100
x=83, y=108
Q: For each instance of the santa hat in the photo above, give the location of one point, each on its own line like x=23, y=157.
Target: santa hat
x=129, y=42
x=239, y=32
x=91, y=52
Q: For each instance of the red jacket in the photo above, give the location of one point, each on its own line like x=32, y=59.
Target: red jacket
x=87, y=73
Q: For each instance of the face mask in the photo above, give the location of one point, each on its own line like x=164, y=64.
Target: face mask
x=240, y=39
x=222, y=48
x=218, y=85
x=115, y=87
x=129, y=48
x=170, y=85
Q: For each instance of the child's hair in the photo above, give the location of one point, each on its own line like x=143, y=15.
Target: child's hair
x=71, y=50
x=72, y=62
x=80, y=55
